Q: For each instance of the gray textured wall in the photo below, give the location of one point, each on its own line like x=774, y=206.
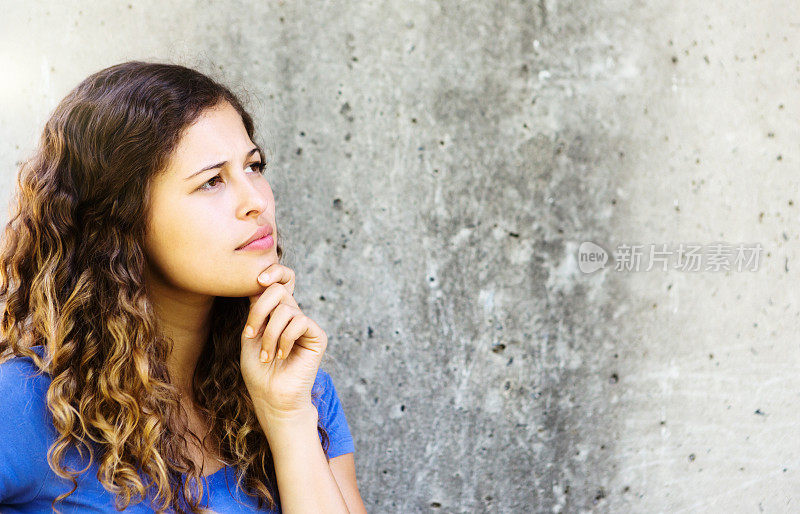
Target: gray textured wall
x=439, y=163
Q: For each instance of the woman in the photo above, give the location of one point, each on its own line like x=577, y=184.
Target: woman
x=141, y=253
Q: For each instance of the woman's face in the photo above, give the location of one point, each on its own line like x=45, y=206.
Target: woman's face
x=198, y=220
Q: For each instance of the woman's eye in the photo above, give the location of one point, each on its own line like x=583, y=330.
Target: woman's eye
x=215, y=177
x=258, y=167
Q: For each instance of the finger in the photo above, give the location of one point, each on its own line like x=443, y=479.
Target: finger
x=278, y=273
x=314, y=338
x=296, y=328
x=278, y=319
x=263, y=305
x=260, y=308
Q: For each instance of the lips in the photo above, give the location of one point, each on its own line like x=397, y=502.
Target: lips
x=262, y=231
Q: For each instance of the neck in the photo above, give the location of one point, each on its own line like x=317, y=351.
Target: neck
x=185, y=319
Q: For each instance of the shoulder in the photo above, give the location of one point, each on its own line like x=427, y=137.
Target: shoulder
x=26, y=429
x=324, y=392
x=23, y=387
x=331, y=414
x=321, y=381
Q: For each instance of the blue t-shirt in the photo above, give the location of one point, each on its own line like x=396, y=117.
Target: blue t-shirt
x=27, y=484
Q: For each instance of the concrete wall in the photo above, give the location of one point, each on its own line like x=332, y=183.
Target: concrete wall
x=438, y=166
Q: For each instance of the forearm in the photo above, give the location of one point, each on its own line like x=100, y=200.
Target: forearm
x=305, y=481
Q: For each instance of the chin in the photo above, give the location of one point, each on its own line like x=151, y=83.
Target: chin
x=238, y=290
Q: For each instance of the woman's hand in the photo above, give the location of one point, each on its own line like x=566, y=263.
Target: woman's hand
x=291, y=342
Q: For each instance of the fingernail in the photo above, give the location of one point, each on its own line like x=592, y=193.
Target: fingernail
x=263, y=277
x=280, y=354
x=264, y=356
x=249, y=332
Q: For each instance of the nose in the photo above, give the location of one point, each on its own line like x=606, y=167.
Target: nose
x=252, y=197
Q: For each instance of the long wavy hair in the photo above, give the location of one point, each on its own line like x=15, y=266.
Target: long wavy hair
x=71, y=268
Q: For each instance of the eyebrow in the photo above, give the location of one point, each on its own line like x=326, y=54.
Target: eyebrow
x=221, y=164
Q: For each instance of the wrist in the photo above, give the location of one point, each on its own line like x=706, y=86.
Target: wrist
x=275, y=421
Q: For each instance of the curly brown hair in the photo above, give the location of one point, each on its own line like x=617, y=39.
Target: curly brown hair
x=71, y=268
